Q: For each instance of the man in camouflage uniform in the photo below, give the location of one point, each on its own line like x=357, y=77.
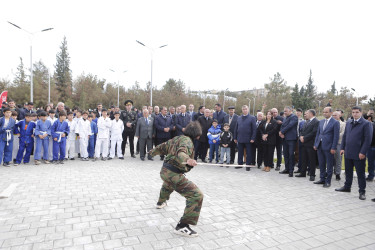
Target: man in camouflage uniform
x=129, y=118
x=179, y=159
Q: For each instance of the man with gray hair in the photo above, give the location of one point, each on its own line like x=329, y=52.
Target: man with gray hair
x=60, y=107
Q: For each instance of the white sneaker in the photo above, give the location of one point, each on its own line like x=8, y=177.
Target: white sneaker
x=160, y=206
x=185, y=231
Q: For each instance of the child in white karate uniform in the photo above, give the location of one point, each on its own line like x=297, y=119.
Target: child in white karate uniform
x=117, y=128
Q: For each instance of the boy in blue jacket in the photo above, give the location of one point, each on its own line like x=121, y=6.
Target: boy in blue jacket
x=7, y=125
x=59, y=131
x=25, y=129
x=42, y=133
x=94, y=131
x=214, y=140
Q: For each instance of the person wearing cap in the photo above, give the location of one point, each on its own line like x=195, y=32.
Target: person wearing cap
x=231, y=119
x=129, y=119
x=117, y=128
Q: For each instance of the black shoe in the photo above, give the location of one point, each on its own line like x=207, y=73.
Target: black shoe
x=210, y=162
x=137, y=153
x=133, y=156
x=204, y=161
x=109, y=158
x=338, y=177
x=150, y=159
x=290, y=174
x=247, y=168
x=104, y=159
x=142, y=158
x=258, y=166
x=72, y=159
x=61, y=161
x=6, y=164
x=320, y=182
x=327, y=185
x=121, y=158
x=79, y=155
x=312, y=178
x=362, y=196
x=369, y=179
x=162, y=158
x=373, y=200
x=297, y=171
x=300, y=175
x=277, y=168
x=237, y=167
x=284, y=172
x=185, y=230
x=232, y=162
x=343, y=189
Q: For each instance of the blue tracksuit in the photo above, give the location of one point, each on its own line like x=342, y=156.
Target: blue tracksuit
x=41, y=129
x=26, y=132
x=59, y=146
x=92, y=139
x=6, y=139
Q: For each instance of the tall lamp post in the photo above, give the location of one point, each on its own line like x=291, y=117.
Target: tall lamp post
x=249, y=103
x=152, y=50
x=254, y=106
x=118, y=87
x=31, y=35
x=319, y=106
x=224, y=98
x=356, y=95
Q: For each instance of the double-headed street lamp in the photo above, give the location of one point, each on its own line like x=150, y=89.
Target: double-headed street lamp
x=118, y=87
x=152, y=50
x=31, y=34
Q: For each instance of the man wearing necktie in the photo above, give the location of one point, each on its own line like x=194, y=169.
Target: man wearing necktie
x=163, y=126
x=257, y=144
x=355, y=143
x=145, y=132
x=182, y=120
x=326, y=141
x=219, y=115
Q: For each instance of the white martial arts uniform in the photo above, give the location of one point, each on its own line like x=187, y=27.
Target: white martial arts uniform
x=71, y=140
x=102, y=137
x=117, y=128
x=84, y=131
x=50, y=143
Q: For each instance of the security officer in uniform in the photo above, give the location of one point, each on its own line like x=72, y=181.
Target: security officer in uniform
x=129, y=118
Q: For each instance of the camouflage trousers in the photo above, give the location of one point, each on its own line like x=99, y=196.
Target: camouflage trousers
x=179, y=183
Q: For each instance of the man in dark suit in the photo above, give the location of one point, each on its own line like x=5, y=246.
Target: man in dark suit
x=355, y=143
x=202, y=145
x=279, y=141
x=219, y=115
x=182, y=120
x=231, y=119
x=288, y=131
x=172, y=114
x=199, y=113
x=307, y=139
x=257, y=146
x=244, y=136
x=145, y=132
x=191, y=112
x=326, y=141
x=163, y=127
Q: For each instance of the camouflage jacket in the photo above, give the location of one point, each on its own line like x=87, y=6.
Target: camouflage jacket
x=177, y=150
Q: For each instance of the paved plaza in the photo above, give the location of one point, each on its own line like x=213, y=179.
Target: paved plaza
x=111, y=205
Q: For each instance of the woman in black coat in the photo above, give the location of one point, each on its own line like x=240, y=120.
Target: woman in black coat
x=268, y=130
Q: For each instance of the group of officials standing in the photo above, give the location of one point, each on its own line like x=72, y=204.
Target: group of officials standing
x=303, y=140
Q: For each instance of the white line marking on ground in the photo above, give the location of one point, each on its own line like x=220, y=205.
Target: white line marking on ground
x=8, y=191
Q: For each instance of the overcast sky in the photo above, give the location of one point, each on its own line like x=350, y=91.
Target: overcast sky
x=211, y=44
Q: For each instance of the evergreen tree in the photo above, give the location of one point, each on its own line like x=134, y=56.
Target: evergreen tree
x=296, y=98
x=278, y=93
x=20, y=89
x=310, y=92
x=63, y=74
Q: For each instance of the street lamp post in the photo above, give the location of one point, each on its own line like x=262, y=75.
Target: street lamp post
x=249, y=103
x=118, y=87
x=224, y=98
x=254, y=106
x=319, y=106
x=49, y=86
x=356, y=95
x=152, y=50
x=31, y=34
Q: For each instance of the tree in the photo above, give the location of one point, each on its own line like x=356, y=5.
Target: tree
x=310, y=92
x=63, y=74
x=371, y=102
x=296, y=98
x=19, y=91
x=278, y=92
